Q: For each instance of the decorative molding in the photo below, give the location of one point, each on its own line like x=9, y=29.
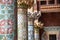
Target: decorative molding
x=52, y=28
x=49, y=6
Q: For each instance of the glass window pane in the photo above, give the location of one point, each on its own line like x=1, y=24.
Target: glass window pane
x=43, y=2
x=51, y=1
x=52, y=37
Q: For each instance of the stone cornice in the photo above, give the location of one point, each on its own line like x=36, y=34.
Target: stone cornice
x=52, y=28
x=50, y=8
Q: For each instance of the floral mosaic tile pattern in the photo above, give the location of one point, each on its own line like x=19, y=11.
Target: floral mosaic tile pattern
x=7, y=19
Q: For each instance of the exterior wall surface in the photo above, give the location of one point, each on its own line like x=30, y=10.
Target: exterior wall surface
x=50, y=19
x=51, y=30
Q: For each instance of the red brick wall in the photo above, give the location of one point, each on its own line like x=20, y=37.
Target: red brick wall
x=50, y=19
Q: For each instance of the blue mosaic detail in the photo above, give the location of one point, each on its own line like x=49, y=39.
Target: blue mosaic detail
x=30, y=32
x=2, y=6
x=10, y=11
x=7, y=37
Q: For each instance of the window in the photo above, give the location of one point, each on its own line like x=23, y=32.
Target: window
x=43, y=2
x=51, y=1
x=52, y=37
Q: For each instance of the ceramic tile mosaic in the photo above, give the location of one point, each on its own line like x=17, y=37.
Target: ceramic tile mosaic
x=7, y=19
x=22, y=25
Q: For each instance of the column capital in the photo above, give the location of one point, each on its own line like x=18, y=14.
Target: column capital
x=22, y=11
x=24, y=3
x=34, y=15
x=38, y=24
x=30, y=16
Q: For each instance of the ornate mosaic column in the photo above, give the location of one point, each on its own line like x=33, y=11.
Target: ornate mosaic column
x=22, y=24
x=23, y=5
x=31, y=17
x=7, y=19
x=30, y=28
x=37, y=27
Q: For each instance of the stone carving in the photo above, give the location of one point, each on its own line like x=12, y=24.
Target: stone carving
x=34, y=15
x=38, y=24
x=31, y=17
x=25, y=3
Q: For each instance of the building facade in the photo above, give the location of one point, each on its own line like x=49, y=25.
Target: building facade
x=50, y=16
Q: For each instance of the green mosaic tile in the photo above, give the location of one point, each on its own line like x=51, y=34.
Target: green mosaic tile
x=2, y=6
x=2, y=11
x=2, y=16
x=10, y=11
x=11, y=7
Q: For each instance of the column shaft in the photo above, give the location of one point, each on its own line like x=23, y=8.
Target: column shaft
x=36, y=33
x=22, y=24
x=7, y=19
x=31, y=29
x=47, y=2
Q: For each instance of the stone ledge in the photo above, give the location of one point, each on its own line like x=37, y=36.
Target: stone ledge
x=52, y=28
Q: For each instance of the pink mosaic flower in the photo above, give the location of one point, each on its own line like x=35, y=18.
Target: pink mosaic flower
x=10, y=30
x=2, y=22
x=2, y=30
x=10, y=22
x=7, y=1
